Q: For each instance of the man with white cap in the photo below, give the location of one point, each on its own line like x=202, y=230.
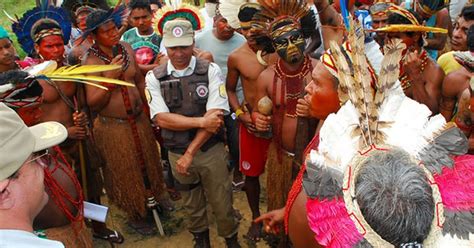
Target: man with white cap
x=22, y=194
x=187, y=99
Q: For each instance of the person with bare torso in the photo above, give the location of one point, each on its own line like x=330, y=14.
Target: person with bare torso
x=284, y=84
x=420, y=76
x=122, y=132
x=457, y=92
x=243, y=63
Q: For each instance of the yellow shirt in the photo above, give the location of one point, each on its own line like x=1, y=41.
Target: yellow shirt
x=448, y=63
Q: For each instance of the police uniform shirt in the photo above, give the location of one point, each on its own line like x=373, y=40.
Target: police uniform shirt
x=217, y=94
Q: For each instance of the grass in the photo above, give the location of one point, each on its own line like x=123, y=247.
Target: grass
x=14, y=7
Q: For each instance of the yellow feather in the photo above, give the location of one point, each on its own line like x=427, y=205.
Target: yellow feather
x=81, y=69
x=91, y=78
x=84, y=82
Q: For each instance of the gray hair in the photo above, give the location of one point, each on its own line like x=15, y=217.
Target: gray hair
x=395, y=197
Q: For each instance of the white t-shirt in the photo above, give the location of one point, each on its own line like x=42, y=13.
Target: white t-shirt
x=217, y=95
x=24, y=239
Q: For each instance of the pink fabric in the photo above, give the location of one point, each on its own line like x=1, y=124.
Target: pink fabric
x=332, y=226
x=457, y=185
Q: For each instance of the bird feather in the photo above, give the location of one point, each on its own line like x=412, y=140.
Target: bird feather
x=389, y=73
x=83, y=78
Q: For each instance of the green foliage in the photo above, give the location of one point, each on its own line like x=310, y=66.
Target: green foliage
x=14, y=7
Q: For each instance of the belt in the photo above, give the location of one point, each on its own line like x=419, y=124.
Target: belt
x=116, y=119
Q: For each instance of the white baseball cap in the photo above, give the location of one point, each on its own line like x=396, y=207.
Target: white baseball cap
x=18, y=142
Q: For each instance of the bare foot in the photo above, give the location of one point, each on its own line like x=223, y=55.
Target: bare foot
x=254, y=233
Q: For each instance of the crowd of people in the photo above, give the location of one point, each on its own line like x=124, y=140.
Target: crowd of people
x=358, y=113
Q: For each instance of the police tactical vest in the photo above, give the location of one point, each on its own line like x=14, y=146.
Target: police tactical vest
x=186, y=96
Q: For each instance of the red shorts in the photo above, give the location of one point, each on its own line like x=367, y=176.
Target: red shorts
x=253, y=152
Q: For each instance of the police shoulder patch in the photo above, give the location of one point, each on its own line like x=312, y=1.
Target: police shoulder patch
x=148, y=95
x=222, y=91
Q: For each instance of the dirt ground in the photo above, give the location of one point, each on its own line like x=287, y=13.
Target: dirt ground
x=175, y=227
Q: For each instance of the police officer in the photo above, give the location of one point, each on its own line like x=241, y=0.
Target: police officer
x=187, y=98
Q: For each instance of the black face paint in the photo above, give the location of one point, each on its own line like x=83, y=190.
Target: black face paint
x=289, y=44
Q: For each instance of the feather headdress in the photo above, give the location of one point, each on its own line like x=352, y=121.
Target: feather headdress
x=372, y=123
x=116, y=14
x=280, y=16
x=24, y=26
x=177, y=9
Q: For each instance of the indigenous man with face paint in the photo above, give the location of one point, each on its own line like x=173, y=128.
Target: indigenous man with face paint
x=123, y=133
x=420, y=76
x=187, y=98
x=284, y=83
x=246, y=64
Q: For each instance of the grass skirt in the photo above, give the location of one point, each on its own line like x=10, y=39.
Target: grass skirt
x=123, y=178
x=279, y=177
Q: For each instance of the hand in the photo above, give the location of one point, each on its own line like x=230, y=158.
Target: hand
x=80, y=119
x=117, y=60
x=183, y=163
x=246, y=119
x=302, y=108
x=76, y=132
x=412, y=66
x=272, y=220
x=262, y=122
x=212, y=121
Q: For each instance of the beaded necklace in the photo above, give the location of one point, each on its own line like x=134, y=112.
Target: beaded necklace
x=94, y=49
x=405, y=82
x=292, y=85
x=291, y=89
x=61, y=197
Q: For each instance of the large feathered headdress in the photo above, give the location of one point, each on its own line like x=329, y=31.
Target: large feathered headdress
x=373, y=123
x=175, y=10
x=279, y=16
x=24, y=27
